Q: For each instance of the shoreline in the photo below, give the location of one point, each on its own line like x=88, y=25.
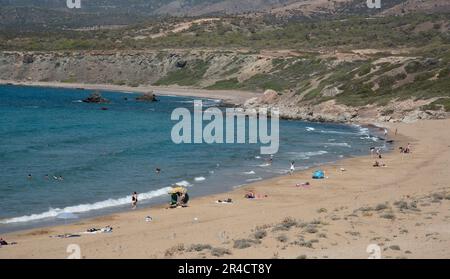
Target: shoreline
x=111, y=211
x=347, y=235
x=149, y=205
x=234, y=97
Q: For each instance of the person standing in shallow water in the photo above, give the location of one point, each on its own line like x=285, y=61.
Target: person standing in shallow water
x=291, y=171
x=134, y=200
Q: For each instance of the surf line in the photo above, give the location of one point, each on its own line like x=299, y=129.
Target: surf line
x=234, y=120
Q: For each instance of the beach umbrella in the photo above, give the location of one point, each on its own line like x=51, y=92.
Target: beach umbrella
x=178, y=189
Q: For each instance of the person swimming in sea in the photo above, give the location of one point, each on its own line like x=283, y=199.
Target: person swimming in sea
x=158, y=170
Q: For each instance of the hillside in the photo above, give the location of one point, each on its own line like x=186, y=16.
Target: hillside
x=339, y=62
x=30, y=15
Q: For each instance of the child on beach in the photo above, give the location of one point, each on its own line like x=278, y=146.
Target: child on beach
x=134, y=200
x=292, y=168
x=372, y=151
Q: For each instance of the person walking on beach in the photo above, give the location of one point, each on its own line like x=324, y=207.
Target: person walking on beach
x=292, y=168
x=134, y=200
x=379, y=153
x=385, y=133
x=408, y=148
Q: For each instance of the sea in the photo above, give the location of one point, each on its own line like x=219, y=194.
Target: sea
x=62, y=160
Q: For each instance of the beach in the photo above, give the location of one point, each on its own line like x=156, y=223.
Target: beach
x=228, y=96
x=402, y=209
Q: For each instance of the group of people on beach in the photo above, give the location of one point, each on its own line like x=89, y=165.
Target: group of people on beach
x=376, y=152
x=406, y=149
x=179, y=195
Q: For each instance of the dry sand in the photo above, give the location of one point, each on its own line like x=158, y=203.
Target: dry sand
x=337, y=217
x=229, y=96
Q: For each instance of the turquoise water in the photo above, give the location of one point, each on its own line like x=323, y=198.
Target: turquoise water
x=105, y=155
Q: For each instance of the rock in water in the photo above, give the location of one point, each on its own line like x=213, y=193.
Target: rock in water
x=147, y=97
x=95, y=98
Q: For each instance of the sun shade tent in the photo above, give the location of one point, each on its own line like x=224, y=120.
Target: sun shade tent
x=319, y=174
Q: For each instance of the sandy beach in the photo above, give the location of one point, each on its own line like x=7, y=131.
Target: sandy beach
x=228, y=96
x=403, y=208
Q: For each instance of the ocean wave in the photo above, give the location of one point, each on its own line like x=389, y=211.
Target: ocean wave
x=254, y=179
x=265, y=165
x=200, y=178
x=184, y=183
x=339, y=144
x=338, y=132
x=249, y=172
x=82, y=208
x=307, y=155
x=310, y=129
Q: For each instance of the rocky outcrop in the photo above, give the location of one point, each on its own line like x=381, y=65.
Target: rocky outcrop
x=330, y=111
x=181, y=63
x=96, y=98
x=28, y=59
x=147, y=97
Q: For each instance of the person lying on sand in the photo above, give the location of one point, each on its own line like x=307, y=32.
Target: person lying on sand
x=305, y=184
x=378, y=164
x=4, y=243
x=225, y=201
x=251, y=196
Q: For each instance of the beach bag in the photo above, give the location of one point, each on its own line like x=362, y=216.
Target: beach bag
x=318, y=174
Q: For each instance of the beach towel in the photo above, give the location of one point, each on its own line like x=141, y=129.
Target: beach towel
x=319, y=174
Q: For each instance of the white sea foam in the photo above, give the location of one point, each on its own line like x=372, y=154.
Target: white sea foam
x=307, y=155
x=310, y=129
x=249, y=172
x=184, y=183
x=339, y=144
x=200, y=178
x=254, y=179
x=82, y=208
x=338, y=132
x=265, y=165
